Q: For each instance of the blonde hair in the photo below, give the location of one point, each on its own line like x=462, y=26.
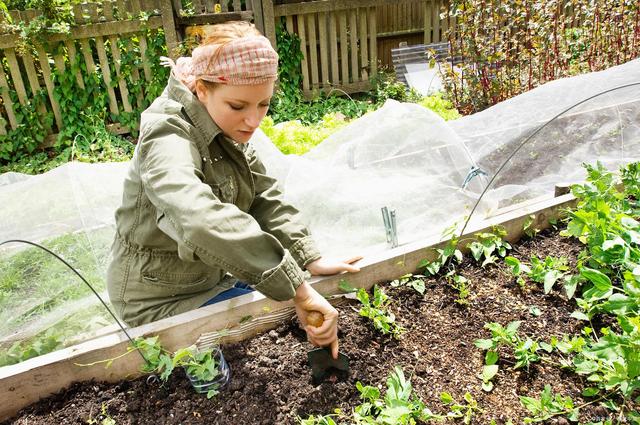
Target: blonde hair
x=222, y=34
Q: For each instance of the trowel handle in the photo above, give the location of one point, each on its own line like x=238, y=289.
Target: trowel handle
x=315, y=318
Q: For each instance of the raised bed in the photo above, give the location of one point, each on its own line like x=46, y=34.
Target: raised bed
x=27, y=382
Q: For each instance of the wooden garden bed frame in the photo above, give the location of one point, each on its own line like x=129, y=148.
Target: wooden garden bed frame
x=27, y=382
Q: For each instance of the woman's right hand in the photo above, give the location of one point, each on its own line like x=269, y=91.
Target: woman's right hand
x=307, y=300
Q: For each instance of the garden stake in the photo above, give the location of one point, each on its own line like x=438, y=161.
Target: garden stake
x=323, y=365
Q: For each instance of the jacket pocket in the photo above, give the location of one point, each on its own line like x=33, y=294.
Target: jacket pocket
x=224, y=190
x=171, y=284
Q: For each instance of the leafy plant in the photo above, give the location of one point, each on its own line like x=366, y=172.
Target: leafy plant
x=397, y=407
x=548, y=271
x=458, y=410
x=414, y=281
x=376, y=309
x=459, y=283
x=488, y=244
x=548, y=406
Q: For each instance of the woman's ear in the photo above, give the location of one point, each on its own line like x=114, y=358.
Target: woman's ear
x=201, y=91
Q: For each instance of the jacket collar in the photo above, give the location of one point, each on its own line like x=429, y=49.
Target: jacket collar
x=194, y=109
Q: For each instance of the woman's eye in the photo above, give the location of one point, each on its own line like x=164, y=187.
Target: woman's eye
x=235, y=107
x=264, y=105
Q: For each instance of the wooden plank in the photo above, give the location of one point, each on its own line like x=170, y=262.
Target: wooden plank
x=258, y=18
x=373, y=42
x=142, y=43
x=329, y=6
x=344, y=47
x=104, y=64
x=353, y=45
x=289, y=25
x=46, y=73
x=303, y=46
x=428, y=39
x=16, y=75
x=435, y=19
x=209, y=6
x=445, y=21
x=117, y=60
x=26, y=382
x=169, y=26
x=214, y=18
x=135, y=8
x=71, y=51
x=237, y=5
x=269, y=21
x=198, y=7
x=101, y=29
x=333, y=48
x=313, y=51
x=6, y=100
x=224, y=5
x=324, y=51
x=32, y=74
x=364, y=53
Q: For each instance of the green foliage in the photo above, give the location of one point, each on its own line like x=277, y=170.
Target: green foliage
x=376, y=309
x=464, y=411
x=397, y=407
x=84, y=109
x=102, y=419
x=293, y=137
x=31, y=130
x=199, y=364
x=525, y=350
x=441, y=106
x=513, y=46
x=548, y=406
x=487, y=244
x=459, y=283
x=414, y=281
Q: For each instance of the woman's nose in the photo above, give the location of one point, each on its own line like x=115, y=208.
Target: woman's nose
x=253, y=118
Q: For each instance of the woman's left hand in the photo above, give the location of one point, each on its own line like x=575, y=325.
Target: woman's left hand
x=325, y=266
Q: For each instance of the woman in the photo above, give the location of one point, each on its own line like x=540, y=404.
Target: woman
x=199, y=213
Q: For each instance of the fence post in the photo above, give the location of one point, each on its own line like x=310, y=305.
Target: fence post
x=269, y=21
x=169, y=26
x=258, y=19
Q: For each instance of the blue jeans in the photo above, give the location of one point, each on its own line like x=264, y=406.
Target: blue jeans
x=240, y=288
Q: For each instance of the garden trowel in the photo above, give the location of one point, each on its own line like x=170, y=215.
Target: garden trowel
x=323, y=365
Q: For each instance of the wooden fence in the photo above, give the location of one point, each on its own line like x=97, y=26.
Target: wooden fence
x=342, y=43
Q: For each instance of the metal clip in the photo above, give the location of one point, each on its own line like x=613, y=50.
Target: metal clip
x=475, y=171
x=390, y=226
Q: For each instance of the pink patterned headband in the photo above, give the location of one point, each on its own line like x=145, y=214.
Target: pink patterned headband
x=243, y=61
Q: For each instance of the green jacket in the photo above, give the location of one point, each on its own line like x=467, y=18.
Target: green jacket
x=196, y=209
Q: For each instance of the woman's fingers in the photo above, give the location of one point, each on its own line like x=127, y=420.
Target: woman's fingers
x=354, y=259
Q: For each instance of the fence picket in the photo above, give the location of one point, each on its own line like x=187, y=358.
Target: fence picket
x=333, y=48
x=353, y=45
x=16, y=77
x=324, y=52
x=117, y=59
x=237, y=5
x=373, y=42
x=344, y=48
x=46, y=73
x=303, y=46
x=364, y=54
x=104, y=62
x=313, y=51
x=6, y=100
x=435, y=20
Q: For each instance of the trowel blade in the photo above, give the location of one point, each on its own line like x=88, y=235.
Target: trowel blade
x=322, y=363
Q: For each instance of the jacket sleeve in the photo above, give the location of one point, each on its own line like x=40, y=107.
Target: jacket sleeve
x=220, y=234
x=277, y=217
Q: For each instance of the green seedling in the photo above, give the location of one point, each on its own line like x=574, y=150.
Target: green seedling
x=549, y=405
x=464, y=411
x=376, y=309
x=490, y=246
x=459, y=283
x=517, y=268
x=547, y=272
x=414, y=281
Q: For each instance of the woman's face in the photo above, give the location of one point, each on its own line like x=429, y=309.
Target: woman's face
x=237, y=110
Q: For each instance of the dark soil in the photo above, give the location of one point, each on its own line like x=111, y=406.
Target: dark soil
x=272, y=384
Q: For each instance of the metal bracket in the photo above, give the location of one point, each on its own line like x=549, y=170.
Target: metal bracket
x=390, y=226
x=475, y=171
